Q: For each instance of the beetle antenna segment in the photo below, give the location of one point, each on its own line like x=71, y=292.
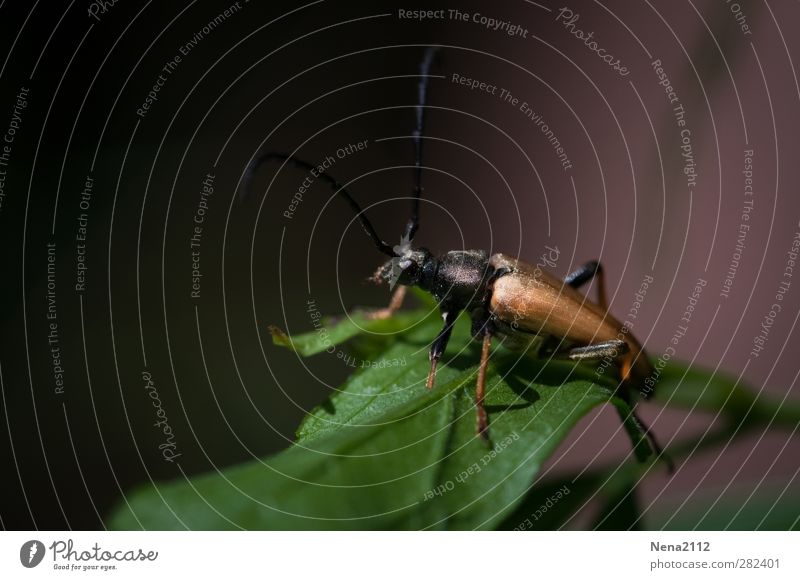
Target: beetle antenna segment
x=659, y=451
x=335, y=185
x=422, y=94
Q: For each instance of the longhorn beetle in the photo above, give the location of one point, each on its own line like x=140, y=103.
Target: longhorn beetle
x=503, y=296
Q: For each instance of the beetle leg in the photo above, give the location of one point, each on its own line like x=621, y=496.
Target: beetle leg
x=482, y=329
x=337, y=187
x=619, y=349
x=394, y=305
x=659, y=451
x=440, y=344
x=422, y=93
x=480, y=389
x=497, y=273
x=585, y=273
x=611, y=349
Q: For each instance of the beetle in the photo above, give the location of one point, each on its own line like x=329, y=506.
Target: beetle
x=503, y=296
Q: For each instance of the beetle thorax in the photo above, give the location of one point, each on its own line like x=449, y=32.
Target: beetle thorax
x=460, y=279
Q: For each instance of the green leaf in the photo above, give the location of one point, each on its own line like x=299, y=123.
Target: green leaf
x=694, y=387
x=620, y=511
x=553, y=505
x=385, y=453
x=331, y=332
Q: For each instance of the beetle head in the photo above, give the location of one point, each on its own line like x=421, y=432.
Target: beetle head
x=406, y=268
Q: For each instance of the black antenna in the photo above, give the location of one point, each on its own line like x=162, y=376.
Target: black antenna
x=422, y=94
x=335, y=185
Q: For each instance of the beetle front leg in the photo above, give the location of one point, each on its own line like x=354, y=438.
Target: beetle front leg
x=440, y=344
x=482, y=419
x=625, y=395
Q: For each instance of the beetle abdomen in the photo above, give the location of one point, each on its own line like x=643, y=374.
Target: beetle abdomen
x=530, y=300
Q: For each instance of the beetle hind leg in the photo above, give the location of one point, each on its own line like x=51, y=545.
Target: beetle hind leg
x=482, y=419
x=613, y=349
x=587, y=272
x=619, y=350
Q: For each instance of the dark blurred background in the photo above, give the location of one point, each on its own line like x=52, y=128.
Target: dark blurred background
x=311, y=79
